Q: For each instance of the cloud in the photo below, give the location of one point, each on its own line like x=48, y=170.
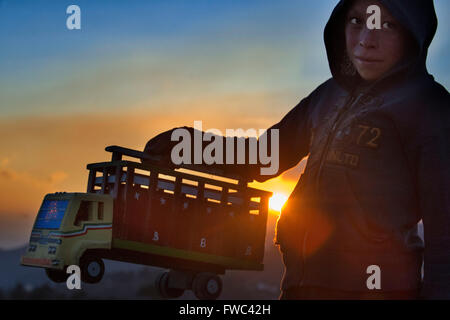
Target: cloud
x=57, y=177
x=6, y=174
x=22, y=191
x=14, y=229
x=4, y=161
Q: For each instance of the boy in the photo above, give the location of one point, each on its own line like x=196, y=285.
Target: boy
x=377, y=136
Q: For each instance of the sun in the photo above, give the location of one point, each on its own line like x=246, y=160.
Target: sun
x=277, y=201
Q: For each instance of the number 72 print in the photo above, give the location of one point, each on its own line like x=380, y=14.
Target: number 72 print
x=364, y=140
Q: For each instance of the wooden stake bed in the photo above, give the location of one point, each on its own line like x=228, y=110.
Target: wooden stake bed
x=180, y=219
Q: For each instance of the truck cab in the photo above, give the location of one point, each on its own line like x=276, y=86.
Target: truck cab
x=67, y=227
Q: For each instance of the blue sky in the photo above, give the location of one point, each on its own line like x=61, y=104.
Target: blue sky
x=41, y=60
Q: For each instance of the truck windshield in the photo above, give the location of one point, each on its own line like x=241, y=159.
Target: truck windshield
x=51, y=214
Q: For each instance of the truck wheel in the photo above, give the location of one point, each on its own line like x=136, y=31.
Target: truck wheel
x=162, y=284
x=56, y=275
x=207, y=286
x=92, y=269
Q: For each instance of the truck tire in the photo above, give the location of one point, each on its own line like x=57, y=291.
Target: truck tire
x=56, y=275
x=162, y=284
x=207, y=286
x=92, y=269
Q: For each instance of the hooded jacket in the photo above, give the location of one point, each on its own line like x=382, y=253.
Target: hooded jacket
x=378, y=164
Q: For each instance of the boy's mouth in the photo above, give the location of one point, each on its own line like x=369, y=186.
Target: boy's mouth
x=365, y=60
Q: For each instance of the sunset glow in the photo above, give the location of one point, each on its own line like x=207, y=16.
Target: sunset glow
x=277, y=201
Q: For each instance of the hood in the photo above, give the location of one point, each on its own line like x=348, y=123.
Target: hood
x=416, y=16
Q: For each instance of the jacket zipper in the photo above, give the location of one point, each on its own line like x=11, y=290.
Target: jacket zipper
x=350, y=103
x=346, y=107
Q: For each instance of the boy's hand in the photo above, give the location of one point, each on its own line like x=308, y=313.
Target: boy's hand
x=160, y=147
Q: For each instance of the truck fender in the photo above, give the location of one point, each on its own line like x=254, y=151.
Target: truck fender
x=79, y=249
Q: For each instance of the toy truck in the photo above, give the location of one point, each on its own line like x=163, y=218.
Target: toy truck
x=181, y=219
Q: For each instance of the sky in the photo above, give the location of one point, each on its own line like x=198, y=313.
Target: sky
x=139, y=68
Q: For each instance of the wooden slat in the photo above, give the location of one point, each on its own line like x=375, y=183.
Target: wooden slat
x=117, y=172
x=148, y=210
x=251, y=191
x=128, y=197
x=91, y=181
x=116, y=150
x=104, y=181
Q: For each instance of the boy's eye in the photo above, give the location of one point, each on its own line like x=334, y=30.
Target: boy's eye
x=388, y=25
x=355, y=21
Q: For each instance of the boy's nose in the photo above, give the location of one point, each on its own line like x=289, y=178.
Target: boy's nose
x=368, y=38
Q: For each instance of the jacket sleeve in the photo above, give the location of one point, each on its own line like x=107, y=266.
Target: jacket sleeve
x=283, y=145
x=287, y=142
x=433, y=173
x=279, y=148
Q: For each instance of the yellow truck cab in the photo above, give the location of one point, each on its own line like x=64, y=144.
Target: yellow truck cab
x=183, y=219
x=67, y=226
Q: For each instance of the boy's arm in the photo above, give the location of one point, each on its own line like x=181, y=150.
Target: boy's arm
x=292, y=134
x=292, y=138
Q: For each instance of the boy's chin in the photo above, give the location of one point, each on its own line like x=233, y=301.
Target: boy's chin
x=370, y=76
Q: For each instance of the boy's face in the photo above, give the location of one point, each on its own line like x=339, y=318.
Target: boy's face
x=373, y=52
